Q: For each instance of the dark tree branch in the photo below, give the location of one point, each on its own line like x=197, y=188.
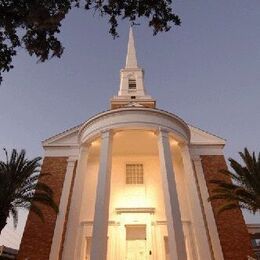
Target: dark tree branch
x=35, y=24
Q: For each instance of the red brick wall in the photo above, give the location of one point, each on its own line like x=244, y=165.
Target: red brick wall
x=233, y=234
x=37, y=237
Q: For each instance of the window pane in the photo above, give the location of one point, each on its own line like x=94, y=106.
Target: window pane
x=134, y=174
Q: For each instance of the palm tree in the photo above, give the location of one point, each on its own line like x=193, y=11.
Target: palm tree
x=244, y=190
x=21, y=187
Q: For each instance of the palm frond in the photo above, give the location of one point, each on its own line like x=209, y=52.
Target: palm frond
x=45, y=188
x=45, y=199
x=36, y=210
x=227, y=206
x=21, y=186
x=14, y=214
x=244, y=191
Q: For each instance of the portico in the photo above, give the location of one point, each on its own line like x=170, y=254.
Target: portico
x=110, y=207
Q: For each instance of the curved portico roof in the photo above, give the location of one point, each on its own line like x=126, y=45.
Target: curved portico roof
x=69, y=137
x=135, y=118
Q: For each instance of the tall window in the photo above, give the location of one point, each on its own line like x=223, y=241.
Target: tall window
x=131, y=84
x=134, y=173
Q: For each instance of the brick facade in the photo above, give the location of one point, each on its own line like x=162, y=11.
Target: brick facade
x=37, y=237
x=233, y=234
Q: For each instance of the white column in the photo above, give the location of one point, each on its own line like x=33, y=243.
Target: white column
x=57, y=236
x=210, y=219
x=198, y=225
x=73, y=224
x=100, y=225
x=175, y=230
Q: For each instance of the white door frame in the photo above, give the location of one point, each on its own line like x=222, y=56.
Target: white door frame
x=136, y=217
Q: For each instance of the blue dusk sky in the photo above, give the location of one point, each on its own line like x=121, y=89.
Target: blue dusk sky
x=207, y=71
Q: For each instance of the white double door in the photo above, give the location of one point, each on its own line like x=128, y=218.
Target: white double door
x=136, y=250
x=136, y=242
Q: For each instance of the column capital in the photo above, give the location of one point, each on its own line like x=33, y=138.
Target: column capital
x=83, y=148
x=164, y=132
x=196, y=158
x=71, y=161
x=184, y=145
x=106, y=133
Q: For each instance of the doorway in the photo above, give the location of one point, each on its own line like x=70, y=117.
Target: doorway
x=136, y=246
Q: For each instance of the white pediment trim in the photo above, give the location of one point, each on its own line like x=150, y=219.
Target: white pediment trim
x=201, y=137
x=66, y=138
x=70, y=138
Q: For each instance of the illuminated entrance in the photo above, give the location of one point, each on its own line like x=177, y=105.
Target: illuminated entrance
x=136, y=242
x=136, y=232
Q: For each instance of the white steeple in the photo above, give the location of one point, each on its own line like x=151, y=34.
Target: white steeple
x=131, y=91
x=131, y=61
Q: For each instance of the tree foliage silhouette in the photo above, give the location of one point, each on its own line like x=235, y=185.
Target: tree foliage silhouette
x=244, y=191
x=35, y=24
x=21, y=187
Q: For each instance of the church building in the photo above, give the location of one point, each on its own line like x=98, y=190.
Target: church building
x=132, y=183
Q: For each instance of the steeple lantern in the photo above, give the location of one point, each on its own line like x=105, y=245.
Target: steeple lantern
x=132, y=91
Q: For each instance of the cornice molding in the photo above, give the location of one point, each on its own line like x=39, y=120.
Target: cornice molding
x=143, y=118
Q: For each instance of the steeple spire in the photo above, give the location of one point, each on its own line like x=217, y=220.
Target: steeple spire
x=131, y=61
x=131, y=91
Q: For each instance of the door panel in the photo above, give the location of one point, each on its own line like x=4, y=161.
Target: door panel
x=136, y=242
x=136, y=250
